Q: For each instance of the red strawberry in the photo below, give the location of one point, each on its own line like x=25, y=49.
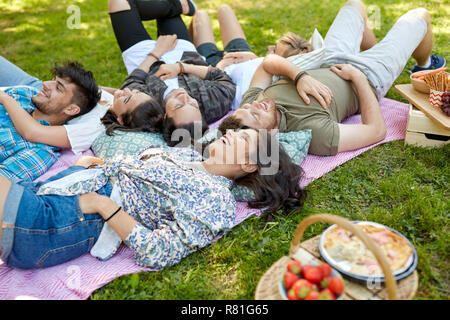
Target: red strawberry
x=313, y=275
x=325, y=282
x=294, y=266
x=305, y=268
x=289, y=279
x=325, y=269
x=336, y=285
x=326, y=294
x=291, y=295
x=312, y=295
x=302, y=287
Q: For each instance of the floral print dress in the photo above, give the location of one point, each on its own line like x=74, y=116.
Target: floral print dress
x=179, y=209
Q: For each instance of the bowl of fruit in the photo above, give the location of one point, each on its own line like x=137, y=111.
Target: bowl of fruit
x=311, y=282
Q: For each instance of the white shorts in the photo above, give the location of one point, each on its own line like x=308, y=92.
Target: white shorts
x=382, y=63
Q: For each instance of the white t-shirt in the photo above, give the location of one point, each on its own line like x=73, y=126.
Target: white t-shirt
x=83, y=130
x=134, y=55
x=241, y=74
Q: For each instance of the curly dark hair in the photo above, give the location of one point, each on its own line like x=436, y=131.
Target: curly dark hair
x=86, y=93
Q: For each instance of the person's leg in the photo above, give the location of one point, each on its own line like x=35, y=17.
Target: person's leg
x=410, y=36
x=230, y=28
x=368, y=39
x=158, y=9
x=174, y=25
x=12, y=75
x=5, y=185
x=201, y=29
x=203, y=37
x=349, y=33
x=126, y=23
x=47, y=229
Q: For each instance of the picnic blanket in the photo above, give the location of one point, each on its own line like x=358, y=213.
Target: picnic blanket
x=78, y=278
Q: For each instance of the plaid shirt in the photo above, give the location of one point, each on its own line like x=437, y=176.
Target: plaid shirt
x=214, y=94
x=19, y=158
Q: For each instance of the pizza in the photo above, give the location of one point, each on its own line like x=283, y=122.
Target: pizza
x=352, y=256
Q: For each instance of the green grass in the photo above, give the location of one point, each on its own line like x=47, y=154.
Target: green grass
x=405, y=188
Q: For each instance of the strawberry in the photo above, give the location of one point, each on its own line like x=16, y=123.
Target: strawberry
x=325, y=269
x=302, y=287
x=312, y=295
x=336, y=285
x=291, y=295
x=326, y=294
x=294, y=266
x=324, y=283
x=289, y=279
x=313, y=275
x=305, y=268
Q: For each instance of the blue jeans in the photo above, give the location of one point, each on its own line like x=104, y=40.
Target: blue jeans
x=49, y=229
x=12, y=75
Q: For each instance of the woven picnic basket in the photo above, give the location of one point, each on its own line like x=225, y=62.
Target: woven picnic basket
x=267, y=287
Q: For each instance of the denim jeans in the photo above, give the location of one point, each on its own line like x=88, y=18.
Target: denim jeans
x=12, y=75
x=50, y=229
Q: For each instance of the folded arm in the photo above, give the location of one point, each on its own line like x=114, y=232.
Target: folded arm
x=32, y=130
x=276, y=65
x=373, y=127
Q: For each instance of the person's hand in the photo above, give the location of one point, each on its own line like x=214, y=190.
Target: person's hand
x=240, y=56
x=308, y=85
x=89, y=202
x=271, y=49
x=167, y=71
x=347, y=71
x=88, y=161
x=224, y=63
x=165, y=44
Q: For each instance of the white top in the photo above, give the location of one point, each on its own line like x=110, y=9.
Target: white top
x=83, y=130
x=241, y=74
x=134, y=55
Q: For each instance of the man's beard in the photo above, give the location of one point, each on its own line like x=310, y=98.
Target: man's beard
x=41, y=106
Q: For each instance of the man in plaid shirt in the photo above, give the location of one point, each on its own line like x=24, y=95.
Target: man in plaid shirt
x=72, y=92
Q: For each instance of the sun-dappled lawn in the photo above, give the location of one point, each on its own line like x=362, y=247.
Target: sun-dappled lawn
x=406, y=188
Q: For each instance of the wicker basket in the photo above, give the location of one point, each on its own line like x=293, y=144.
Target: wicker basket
x=267, y=288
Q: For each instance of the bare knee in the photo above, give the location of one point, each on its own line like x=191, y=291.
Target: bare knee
x=118, y=5
x=358, y=5
x=201, y=20
x=224, y=9
x=421, y=12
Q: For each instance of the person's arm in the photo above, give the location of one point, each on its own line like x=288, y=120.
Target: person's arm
x=109, y=90
x=235, y=57
x=168, y=71
x=149, y=246
x=373, y=127
x=163, y=44
x=30, y=129
x=307, y=85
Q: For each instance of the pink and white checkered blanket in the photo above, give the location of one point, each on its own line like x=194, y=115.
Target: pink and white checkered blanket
x=78, y=278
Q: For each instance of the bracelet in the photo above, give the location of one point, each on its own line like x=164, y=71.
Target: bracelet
x=298, y=76
x=181, y=68
x=154, y=56
x=115, y=212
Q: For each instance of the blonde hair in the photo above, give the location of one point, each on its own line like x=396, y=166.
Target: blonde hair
x=297, y=43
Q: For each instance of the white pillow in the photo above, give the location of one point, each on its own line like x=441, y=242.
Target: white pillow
x=310, y=60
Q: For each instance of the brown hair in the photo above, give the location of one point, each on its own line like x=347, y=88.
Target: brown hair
x=297, y=43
